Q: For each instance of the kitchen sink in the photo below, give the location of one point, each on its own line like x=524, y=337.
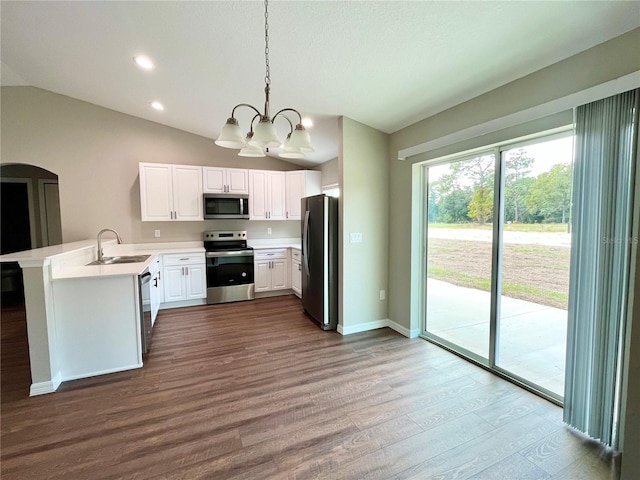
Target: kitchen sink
x=120, y=259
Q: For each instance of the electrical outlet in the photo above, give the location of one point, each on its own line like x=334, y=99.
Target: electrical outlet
x=269, y=231
x=355, y=238
x=157, y=233
x=382, y=294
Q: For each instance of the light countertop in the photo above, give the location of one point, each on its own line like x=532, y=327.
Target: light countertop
x=265, y=243
x=94, y=271
x=70, y=259
x=46, y=253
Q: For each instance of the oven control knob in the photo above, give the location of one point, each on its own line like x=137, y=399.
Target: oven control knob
x=244, y=274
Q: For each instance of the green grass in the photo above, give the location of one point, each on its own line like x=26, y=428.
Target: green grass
x=541, y=295
x=542, y=250
x=512, y=227
x=510, y=289
x=461, y=279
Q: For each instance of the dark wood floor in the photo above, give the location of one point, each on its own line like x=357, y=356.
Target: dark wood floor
x=256, y=391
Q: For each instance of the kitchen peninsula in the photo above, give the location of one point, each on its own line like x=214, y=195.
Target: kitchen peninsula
x=84, y=320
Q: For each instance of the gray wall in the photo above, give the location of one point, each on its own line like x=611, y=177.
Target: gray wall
x=364, y=208
x=605, y=62
x=330, y=172
x=95, y=153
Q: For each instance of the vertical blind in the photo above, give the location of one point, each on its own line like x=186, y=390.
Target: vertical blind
x=605, y=160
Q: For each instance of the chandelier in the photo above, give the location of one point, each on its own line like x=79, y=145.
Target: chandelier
x=263, y=136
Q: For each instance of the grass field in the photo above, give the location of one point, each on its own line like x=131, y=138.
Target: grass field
x=512, y=227
x=536, y=273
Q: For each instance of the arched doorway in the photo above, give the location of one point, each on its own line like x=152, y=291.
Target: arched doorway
x=29, y=218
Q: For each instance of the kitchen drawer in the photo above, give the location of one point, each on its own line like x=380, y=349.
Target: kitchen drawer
x=271, y=254
x=183, y=259
x=296, y=255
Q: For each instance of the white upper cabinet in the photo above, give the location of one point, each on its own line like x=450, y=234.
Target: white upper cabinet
x=170, y=192
x=267, y=199
x=225, y=180
x=156, y=192
x=300, y=184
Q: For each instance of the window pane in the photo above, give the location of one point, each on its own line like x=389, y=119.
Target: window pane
x=459, y=243
x=535, y=262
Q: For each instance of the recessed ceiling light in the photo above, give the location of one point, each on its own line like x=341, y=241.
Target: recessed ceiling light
x=307, y=122
x=144, y=62
x=157, y=105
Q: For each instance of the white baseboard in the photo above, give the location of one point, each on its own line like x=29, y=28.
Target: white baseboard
x=385, y=322
x=49, y=386
x=183, y=303
x=102, y=372
x=403, y=330
x=362, y=327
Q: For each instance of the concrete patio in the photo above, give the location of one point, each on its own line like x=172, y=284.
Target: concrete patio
x=532, y=337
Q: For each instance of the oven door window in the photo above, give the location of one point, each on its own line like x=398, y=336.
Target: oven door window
x=225, y=271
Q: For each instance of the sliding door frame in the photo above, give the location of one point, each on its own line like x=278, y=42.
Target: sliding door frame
x=490, y=363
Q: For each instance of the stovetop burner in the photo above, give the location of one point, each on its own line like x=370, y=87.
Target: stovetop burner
x=220, y=241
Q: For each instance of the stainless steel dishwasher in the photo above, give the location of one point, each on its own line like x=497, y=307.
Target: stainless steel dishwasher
x=146, y=326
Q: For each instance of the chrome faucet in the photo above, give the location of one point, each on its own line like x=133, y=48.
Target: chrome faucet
x=100, y=252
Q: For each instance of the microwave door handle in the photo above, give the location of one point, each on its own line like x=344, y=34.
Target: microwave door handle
x=241, y=211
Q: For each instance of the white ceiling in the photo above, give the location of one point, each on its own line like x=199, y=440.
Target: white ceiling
x=386, y=64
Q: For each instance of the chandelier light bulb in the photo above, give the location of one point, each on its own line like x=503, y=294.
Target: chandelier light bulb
x=250, y=150
x=231, y=136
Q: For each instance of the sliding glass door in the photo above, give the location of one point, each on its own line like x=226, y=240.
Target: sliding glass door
x=497, y=254
x=534, y=262
x=459, y=246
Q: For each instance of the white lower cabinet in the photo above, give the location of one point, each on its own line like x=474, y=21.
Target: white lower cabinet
x=271, y=269
x=185, y=277
x=296, y=272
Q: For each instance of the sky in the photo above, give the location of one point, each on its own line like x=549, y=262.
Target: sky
x=546, y=155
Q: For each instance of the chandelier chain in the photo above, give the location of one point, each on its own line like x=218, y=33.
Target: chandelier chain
x=267, y=77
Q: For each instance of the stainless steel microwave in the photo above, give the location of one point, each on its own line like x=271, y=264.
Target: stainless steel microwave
x=226, y=205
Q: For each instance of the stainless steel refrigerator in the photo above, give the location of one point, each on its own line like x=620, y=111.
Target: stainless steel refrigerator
x=320, y=259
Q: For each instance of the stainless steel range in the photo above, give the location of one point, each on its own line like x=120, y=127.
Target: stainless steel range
x=229, y=266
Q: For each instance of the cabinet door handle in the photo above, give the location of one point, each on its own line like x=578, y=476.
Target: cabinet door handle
x=287, y=215
x=184, y=259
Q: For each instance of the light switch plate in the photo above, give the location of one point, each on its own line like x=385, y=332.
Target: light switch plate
x=355, y=237
x=157, y=233
x=269, y=231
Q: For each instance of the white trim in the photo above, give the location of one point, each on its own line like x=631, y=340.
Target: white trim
x=403, y=330
x=385, y=322
x=49, y=386
x=362, y=327
x=103, y=372
x=607, y=89
x=183, y=303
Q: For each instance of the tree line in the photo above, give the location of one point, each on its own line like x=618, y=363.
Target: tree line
x=465, y=194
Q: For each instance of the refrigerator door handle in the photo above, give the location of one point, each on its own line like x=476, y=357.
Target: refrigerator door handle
x=305, y=245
